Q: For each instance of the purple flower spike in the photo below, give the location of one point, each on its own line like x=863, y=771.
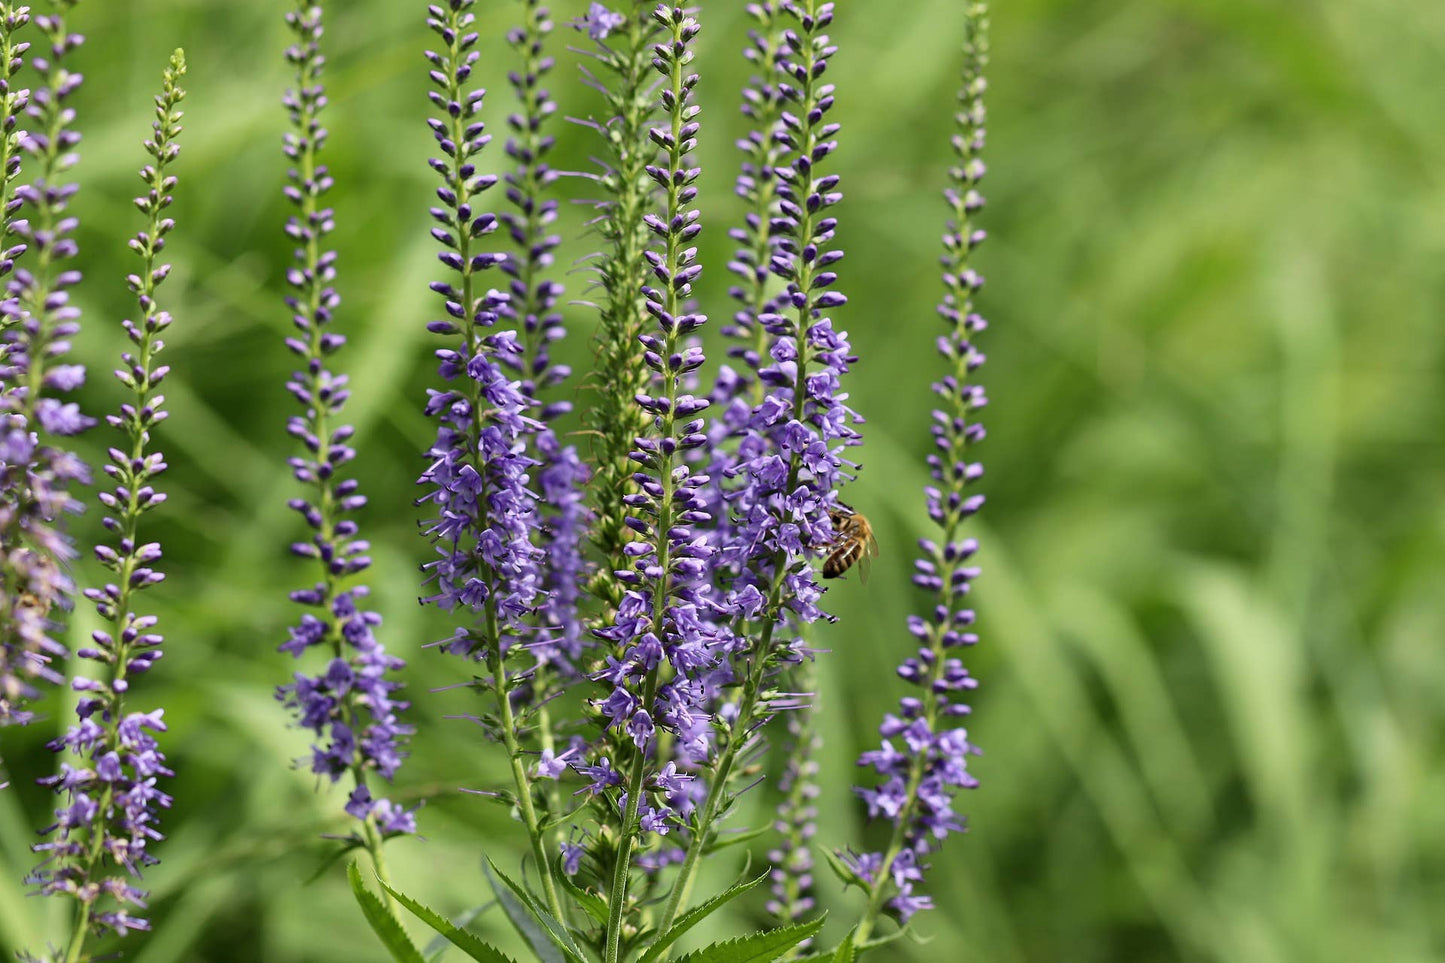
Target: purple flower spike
x=534, y=296
x=664, y=640
x=350, y=704
x=791, y=460
x=37, y=320
x=923, y=760
x=109, y=783
x=489, y=566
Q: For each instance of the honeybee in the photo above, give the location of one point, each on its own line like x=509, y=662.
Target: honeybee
x=853, y=542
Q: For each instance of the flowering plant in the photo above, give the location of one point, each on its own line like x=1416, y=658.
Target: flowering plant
x=634, y=608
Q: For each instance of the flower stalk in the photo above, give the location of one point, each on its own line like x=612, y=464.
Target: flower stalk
x=350, y=707
x=796, y=433
x=918, y=785
x=100, y=837
x=630, y=108
x=663, y=642
x=37, y=319
x=488, y=564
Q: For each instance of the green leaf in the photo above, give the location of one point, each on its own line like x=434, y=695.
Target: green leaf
x=594, y=905
x=757, y=948
x=843, y=871
x=846, y=952
x=335, y=856
x=548, y=938
x=464, y=941
x=696, y=915
x=383, y=924
x=721, y=841
x=437, y=947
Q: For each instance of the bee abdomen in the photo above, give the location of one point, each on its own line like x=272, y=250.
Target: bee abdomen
x=842, y=560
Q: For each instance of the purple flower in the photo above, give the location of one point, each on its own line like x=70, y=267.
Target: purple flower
x=790, y=462
x=599, y=22
x=351, y=705
x=665, y=615
x=37, y=320
x=572, y=854
x=917, y=778
x=484, y=527
x=534, y=296
x=110, y=799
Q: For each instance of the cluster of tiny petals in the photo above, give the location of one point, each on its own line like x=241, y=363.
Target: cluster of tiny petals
x=791, y=453
x=37, y=320
x=735, y=386
x=485, y=517
x=599, y=21
x=534, y=297
x=670, y=558
x=350, y=705
x=918, y=781
x=111, y=796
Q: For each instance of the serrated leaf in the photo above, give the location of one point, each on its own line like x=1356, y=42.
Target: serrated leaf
x=460, y=938
x=438, y=944
x=757, y=948
x=592, y=904
x=846, y=951
x=695, y=916
x=383, y=924
x=548, y=938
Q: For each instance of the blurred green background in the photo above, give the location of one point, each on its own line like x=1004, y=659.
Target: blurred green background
x=1213, y=704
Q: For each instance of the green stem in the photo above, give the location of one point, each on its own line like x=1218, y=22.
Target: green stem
x=617, y=419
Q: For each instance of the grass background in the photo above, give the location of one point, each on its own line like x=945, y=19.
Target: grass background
x=1211, y=615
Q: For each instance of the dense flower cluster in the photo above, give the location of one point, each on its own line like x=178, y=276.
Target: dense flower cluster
x=37, y=320
x=485, y=514
x=351, y=705
x=99, y=839
x=710, y=498
x=534, y=297
x=791, y=455
x=663, y=619
x=918, y=780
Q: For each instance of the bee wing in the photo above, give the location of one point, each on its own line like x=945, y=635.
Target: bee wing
x=866, y=557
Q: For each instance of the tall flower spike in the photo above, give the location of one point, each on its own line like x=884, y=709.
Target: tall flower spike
x=37, y=321
x=662, y=638
x=737, y=388
x=488, y=565
x=757, y=185
x=624, y=78
x=534, y=296
x=791, y=452
x=918, y=781
x=100, y=838
x=350, y=705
